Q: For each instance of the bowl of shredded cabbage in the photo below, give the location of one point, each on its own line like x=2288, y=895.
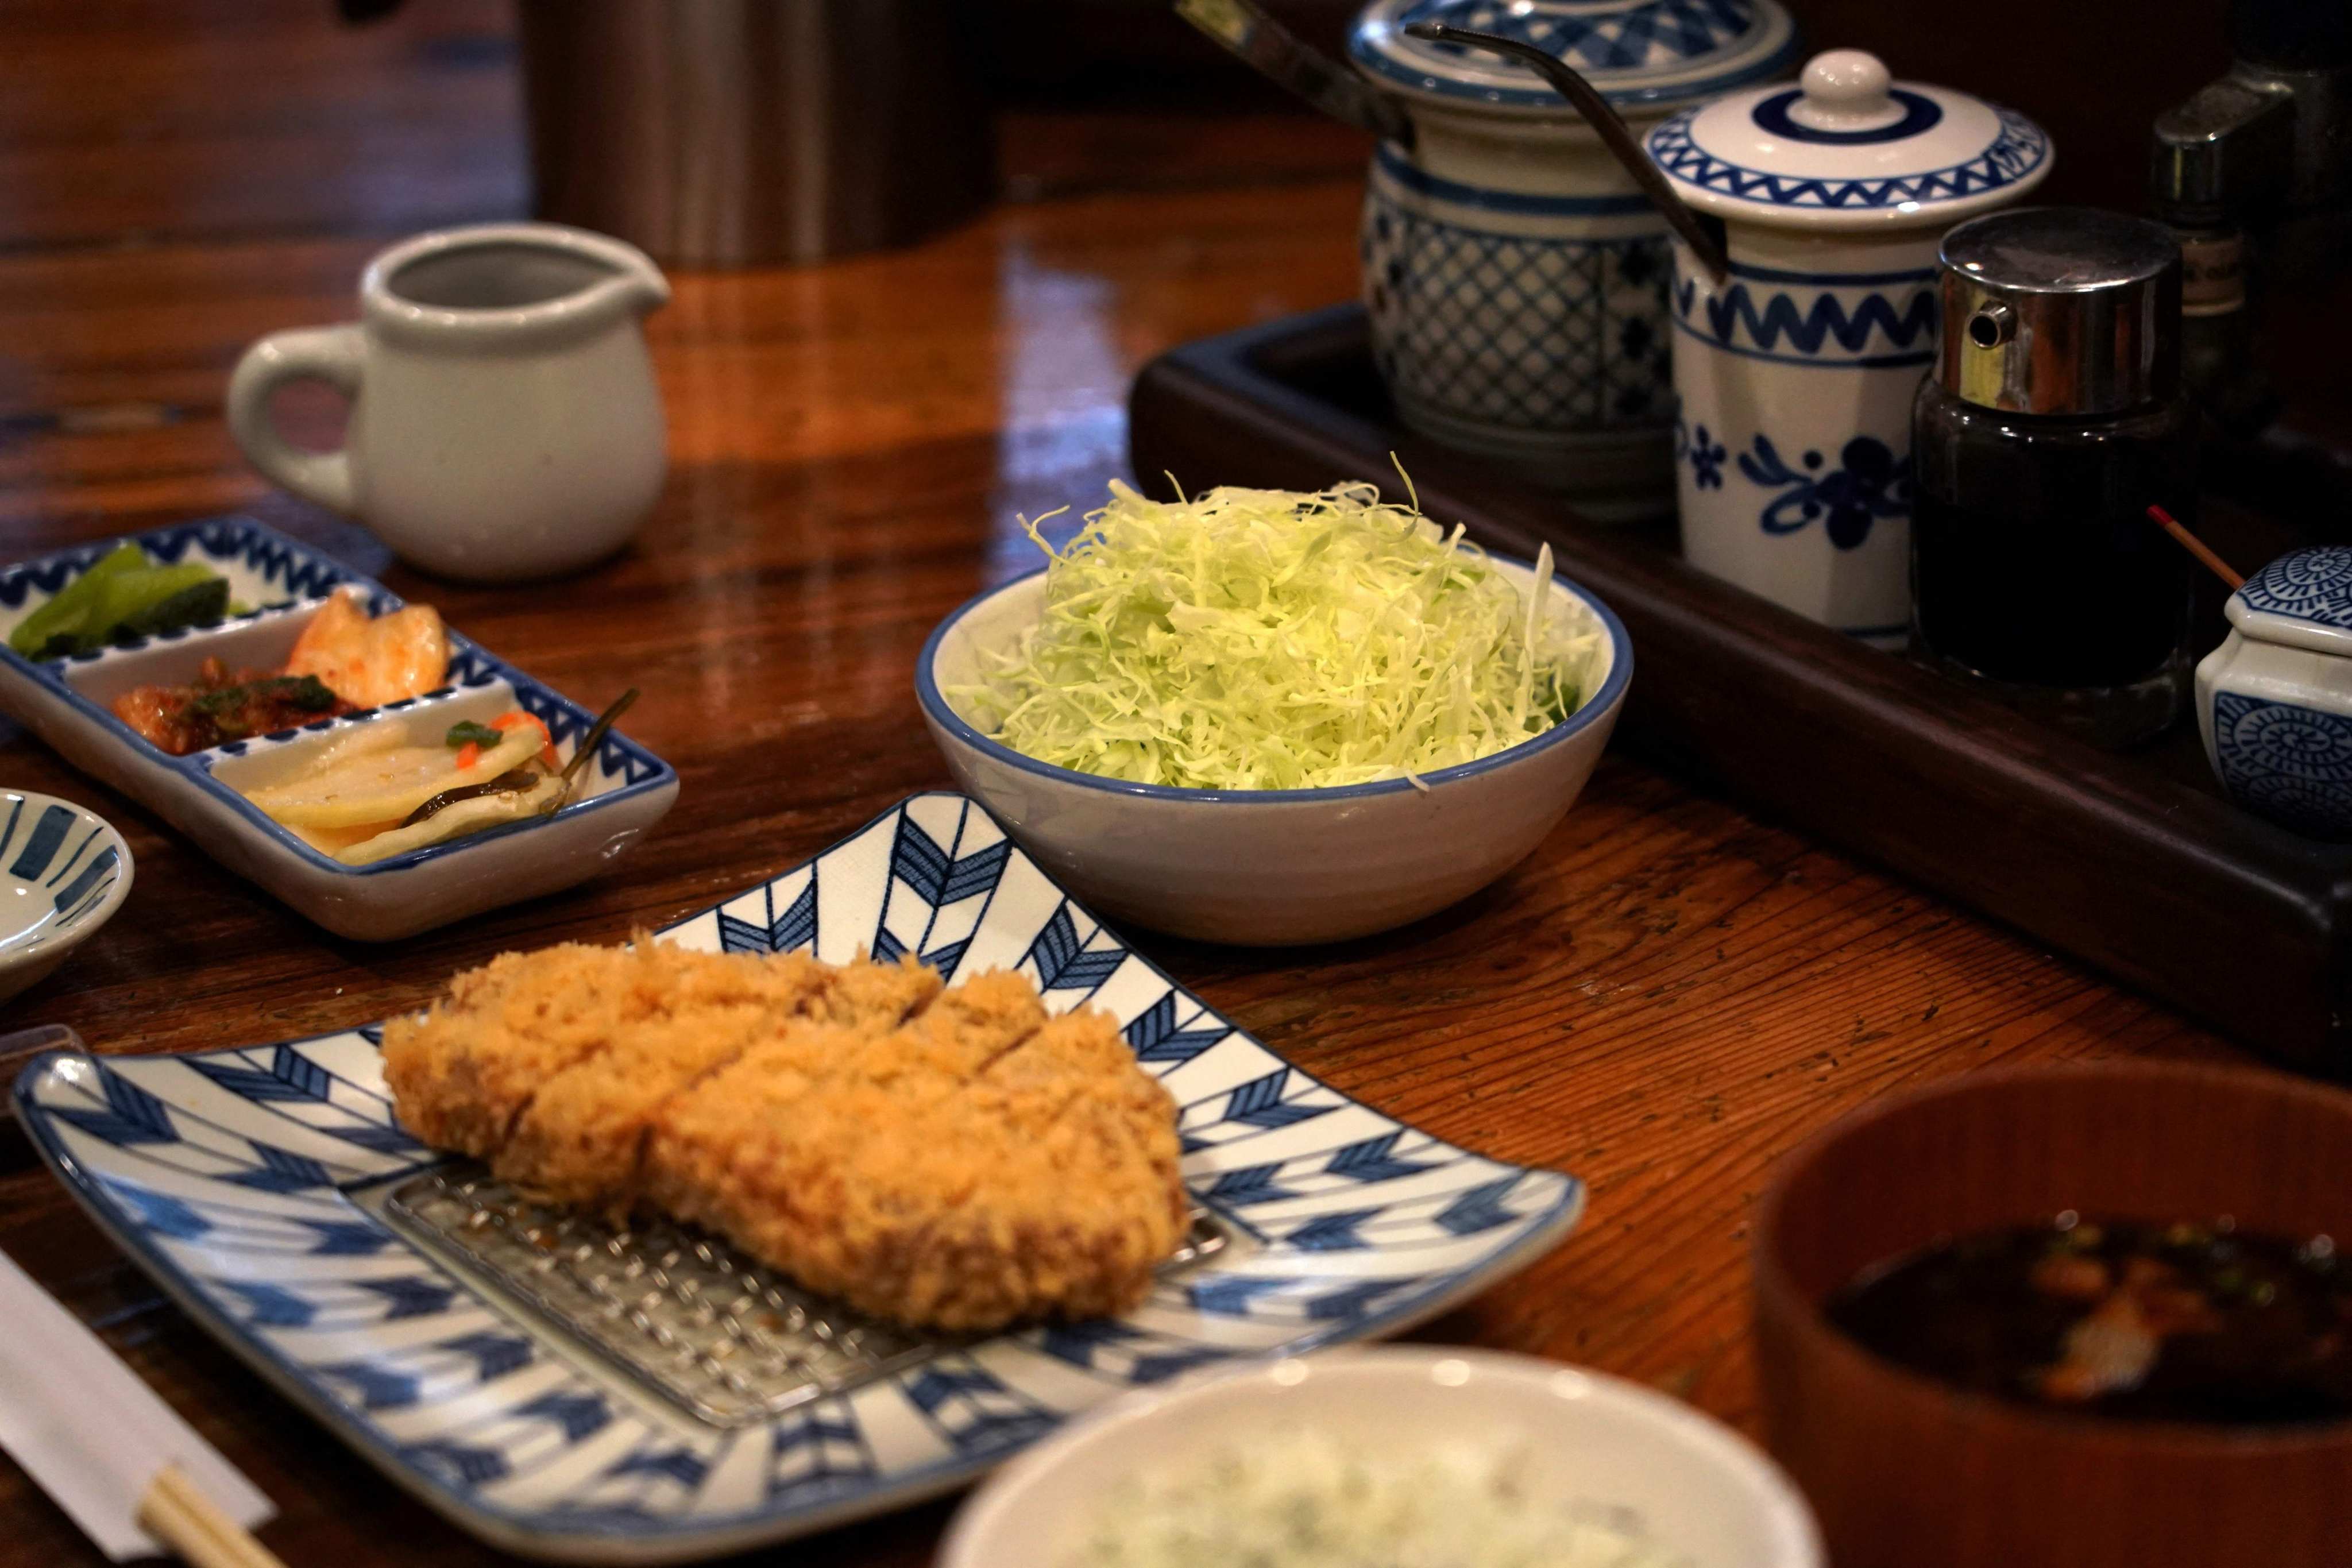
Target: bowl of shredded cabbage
x=1399, y=1457
x=1273, y=717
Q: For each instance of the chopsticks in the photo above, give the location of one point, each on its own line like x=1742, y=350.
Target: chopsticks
x=175, y=1513
x=122, y=1463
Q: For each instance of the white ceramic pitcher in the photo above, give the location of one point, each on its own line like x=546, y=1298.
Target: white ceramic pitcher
x=505, y=422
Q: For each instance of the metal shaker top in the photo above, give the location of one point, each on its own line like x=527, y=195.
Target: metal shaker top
x=2060, y=310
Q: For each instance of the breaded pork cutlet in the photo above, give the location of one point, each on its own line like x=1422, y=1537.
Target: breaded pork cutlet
x=732, y=1116
x=551, y=1066
x=955, y=1160
x=1044, y=1181
x=464, y=1072
x=582, y=1138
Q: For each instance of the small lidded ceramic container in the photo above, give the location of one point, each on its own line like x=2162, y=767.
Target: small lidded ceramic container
x=2274, y=701
x=1797, y=374
x=1515, y=273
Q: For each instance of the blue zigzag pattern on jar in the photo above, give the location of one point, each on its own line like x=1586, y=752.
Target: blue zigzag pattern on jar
x=2021, y=149
x=2290, y=763
x=1870, y=484
x=1872, y=332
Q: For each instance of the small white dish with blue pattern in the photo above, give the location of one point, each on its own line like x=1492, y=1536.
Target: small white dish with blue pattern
x=1515, y=274
x=1796, y=374
x=2274, y=701
x=68, y=703
x=64, y=870
x=251, y=1183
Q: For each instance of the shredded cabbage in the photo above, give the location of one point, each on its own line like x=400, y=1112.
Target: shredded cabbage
x=1268, y=639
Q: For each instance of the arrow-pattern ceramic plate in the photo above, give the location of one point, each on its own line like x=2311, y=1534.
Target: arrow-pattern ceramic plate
x=250, y=1183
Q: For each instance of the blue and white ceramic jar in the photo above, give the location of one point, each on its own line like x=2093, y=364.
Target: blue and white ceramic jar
x=1515, y=273
x=1797, y=374
x=2274, y=701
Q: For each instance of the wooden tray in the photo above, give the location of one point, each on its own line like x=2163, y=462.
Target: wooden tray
x=2133, y=863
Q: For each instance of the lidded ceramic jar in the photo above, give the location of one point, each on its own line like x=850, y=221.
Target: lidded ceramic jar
x=1515, y=273
x=1796, y=376
x=2274, y=701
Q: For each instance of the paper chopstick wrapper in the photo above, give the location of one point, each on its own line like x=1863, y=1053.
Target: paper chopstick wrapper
x=90, y=1433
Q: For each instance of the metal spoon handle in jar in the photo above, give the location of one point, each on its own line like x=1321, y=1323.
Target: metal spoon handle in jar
x=1277, y=54
x=1614, y=135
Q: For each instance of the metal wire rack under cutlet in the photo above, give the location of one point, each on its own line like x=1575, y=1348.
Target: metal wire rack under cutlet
x=728, y=1339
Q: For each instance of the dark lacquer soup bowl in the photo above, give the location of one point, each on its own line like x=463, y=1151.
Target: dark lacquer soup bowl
x=1906, y=1471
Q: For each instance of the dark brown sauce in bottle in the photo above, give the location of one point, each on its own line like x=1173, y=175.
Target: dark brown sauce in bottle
x=2033, y=558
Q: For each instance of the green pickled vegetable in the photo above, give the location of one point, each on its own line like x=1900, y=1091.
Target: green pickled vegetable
x=1267, y=640
x=122, y=596
x=166, y=599
x=466, y=732
x=70, y=609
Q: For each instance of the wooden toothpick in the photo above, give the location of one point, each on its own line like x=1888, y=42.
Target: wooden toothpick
x=2197, y=547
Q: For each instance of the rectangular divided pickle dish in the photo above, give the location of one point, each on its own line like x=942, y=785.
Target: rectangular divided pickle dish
x=576, y=1392
x=282, y=584
x=2134, y=863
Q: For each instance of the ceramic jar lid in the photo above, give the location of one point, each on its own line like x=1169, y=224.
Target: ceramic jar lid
x=1851, y=148
x=2303, y=599
x=1641, y=54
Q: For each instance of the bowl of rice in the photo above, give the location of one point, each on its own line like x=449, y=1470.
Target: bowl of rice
x=1419, y=1457
x=1270, y=718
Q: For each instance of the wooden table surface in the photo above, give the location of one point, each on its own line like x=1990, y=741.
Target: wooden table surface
x=1669, y=995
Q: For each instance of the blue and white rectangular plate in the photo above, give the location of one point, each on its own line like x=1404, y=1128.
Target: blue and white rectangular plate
x=252, y=1184
x=68, y=703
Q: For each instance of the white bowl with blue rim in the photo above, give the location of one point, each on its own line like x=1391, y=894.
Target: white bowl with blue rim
x=64, y=870
x=1515, y=274
x=68, y=703
x=1797, y=372
x=1271, y=868
x=1645, y=1466
x=2274, y=701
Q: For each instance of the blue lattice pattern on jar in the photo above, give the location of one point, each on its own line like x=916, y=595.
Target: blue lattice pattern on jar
x=1517, y=331
x=2014, y=156
x=2313, y=584
x=2286, y=762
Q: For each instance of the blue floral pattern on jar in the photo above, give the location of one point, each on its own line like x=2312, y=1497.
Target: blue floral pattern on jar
x=1705, y=454
x=1870, y=484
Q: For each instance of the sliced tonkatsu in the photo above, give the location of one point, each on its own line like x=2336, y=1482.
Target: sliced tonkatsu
x=953, y=1159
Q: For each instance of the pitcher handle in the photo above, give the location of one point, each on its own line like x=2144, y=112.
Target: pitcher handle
x=333, y=354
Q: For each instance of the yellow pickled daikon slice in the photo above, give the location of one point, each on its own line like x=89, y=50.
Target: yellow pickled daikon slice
x=351, y=787
x=477, y=816
x=333, y=841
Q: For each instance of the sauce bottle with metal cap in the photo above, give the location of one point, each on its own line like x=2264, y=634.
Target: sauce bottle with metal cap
x=2053, y=420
